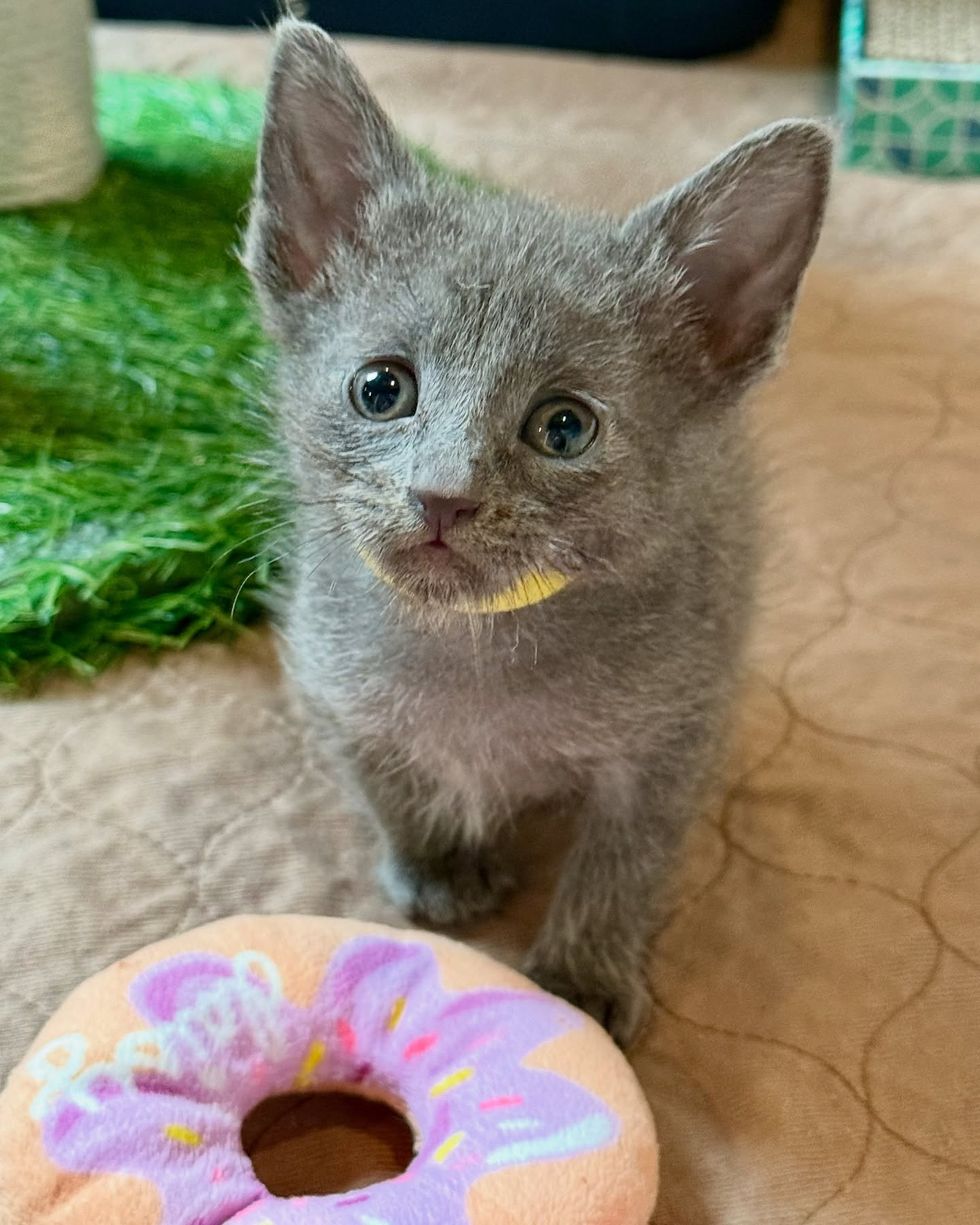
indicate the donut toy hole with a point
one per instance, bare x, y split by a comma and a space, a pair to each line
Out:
325, 1143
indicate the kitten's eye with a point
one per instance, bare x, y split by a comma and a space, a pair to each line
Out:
561, 428
384, 391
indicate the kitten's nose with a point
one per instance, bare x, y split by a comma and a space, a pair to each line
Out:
442, 513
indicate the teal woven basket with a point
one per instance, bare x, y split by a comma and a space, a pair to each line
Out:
914, 116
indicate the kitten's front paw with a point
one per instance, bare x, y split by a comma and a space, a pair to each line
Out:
449, 889
617, 997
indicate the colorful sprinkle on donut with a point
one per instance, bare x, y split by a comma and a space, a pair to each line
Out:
448, 1147
311, 1061
452, 1081
182, 1135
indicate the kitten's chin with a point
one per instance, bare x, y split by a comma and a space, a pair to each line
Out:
440, 580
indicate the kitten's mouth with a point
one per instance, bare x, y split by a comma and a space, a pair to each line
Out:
436, 574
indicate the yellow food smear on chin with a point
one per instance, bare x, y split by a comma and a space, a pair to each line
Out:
530, 588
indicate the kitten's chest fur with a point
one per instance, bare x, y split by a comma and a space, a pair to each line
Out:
499, 716
471, 708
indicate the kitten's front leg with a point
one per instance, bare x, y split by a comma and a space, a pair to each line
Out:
444, 881
594, 945
435, 869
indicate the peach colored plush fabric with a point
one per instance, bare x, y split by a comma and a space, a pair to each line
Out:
611, 1183
814, 1056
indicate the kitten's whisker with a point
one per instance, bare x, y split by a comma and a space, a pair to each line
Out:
287, 555
225, 554
327, 556
242, 585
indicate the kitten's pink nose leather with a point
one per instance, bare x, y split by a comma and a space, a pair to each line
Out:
442, 513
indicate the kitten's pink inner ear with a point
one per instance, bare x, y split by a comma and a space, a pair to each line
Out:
317, 193
326, 146
742, 232
745, 280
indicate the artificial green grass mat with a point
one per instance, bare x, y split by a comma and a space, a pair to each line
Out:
131, 369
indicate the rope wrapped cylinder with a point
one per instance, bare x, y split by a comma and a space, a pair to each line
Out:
49, 147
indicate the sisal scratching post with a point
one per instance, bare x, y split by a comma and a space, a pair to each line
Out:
910, 86
937, 31
49, 148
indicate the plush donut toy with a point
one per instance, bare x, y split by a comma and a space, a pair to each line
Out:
305, 1071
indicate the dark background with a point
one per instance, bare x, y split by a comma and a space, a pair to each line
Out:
670, 29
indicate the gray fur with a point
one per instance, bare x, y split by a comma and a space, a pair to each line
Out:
612, 696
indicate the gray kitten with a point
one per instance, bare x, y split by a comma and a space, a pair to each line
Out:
478, 387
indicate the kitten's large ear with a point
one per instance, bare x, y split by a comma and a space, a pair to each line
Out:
740, 234
326, 146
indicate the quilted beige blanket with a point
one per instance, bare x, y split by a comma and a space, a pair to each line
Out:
816, 1049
